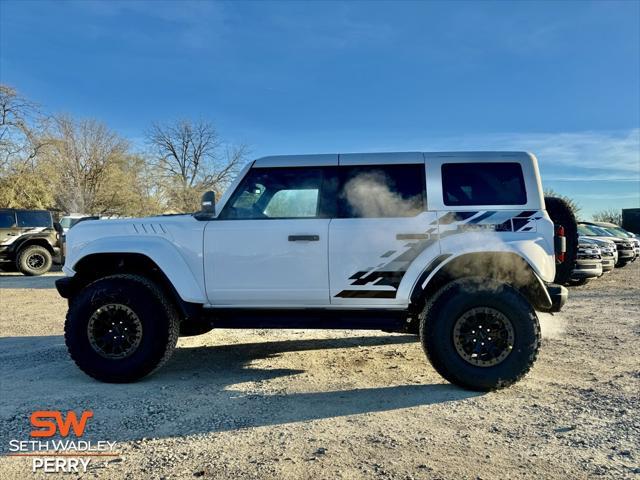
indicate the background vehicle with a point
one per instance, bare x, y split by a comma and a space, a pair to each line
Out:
29, 240
330, 241
588, 262
622, 233
72, 219
625, 246
608, 251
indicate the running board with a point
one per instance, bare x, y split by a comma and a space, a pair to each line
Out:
348, 319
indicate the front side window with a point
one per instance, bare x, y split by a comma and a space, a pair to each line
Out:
276, 193
483, 184
380, 191
33, 219
7, 219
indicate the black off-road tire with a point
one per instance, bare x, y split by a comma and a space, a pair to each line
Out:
157, 315
561, 214
579, 282
438, 320
622, 264
34, 260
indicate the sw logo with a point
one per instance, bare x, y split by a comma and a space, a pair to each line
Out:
66, 455
50, 421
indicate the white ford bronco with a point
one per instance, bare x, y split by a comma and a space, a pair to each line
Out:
455, 247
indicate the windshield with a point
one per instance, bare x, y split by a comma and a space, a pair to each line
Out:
65, 222
591, 230
621, 232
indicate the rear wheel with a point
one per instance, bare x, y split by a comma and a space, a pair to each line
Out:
562, 215
34, 260
121, 328
480, 335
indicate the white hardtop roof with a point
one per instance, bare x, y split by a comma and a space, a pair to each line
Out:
334, 159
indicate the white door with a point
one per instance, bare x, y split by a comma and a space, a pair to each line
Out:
381, 226
268, 246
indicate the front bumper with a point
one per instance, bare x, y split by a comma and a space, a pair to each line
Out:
558, 295
591, 272
608, 264
65, 287
626, 254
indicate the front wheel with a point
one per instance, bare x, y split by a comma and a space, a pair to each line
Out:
479, 334
34, 260
121, 328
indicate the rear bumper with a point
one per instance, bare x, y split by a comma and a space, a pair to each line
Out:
559, 296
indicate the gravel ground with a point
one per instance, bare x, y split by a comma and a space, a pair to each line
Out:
337, 404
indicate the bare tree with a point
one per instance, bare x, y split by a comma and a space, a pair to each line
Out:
610, 215
85, 155
22, 141
192, 158
22, 126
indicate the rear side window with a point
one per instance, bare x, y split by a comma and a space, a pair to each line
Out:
34, 219
7, 219
483, 184
379, 191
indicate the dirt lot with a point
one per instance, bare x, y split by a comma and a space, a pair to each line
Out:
338, 404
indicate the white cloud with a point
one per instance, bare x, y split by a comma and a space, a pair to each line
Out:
576, 156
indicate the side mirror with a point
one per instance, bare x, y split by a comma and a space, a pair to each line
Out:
208, 203
58, 228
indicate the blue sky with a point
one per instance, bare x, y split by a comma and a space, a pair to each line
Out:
559, 79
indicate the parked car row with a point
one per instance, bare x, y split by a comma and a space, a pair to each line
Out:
602, 247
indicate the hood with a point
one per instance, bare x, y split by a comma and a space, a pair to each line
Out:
600, 241
616, 240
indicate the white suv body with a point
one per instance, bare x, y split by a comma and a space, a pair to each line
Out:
377, 235
252, 262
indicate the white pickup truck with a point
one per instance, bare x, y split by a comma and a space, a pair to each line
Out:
455, 247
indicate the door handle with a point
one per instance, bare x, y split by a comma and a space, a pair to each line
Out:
304, 238
412, 236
